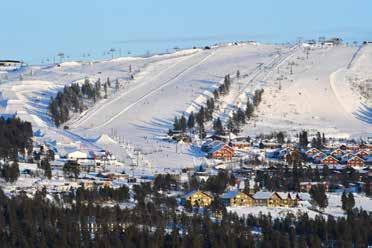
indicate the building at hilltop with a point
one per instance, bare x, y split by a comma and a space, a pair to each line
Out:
10, 65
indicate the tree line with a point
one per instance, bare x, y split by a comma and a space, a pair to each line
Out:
73, 99
37, 222
241, 116
15, 138
205, 113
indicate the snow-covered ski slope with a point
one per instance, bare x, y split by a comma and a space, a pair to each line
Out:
27, 92
316, 95
144, 113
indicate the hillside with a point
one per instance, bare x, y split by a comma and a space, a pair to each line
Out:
315, 96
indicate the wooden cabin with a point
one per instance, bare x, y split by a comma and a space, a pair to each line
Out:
312, 151
356, 162
224, 152
306, 186
288, 199
362, 153
319, 156
329, 160
337, 153
268, 199
236, 198
218, 150
199, 198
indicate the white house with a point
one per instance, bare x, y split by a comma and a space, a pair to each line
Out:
76, 155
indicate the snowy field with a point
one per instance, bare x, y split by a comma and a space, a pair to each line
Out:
318, 94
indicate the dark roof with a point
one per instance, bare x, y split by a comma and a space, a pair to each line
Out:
10, 61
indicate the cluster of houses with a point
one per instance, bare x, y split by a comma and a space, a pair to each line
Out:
357, 157
322, 43
59, 154
240, 199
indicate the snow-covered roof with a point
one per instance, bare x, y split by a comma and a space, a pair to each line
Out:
263, 195
229, 194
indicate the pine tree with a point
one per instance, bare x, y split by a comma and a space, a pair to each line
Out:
351, 201
117, 85
10, 172
105, 89
200, 117
249, 110
176, 124
240, 116
230, 125
202, 133
280, 137
71, 169
303, 140
108, 82
319, 196
344, 202
217, 126
182, 123
45, 165
191, 121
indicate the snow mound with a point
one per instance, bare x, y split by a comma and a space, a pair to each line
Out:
69, 64
104, 139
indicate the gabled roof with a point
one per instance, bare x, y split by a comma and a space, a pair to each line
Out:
319, 154
263, 195
312, 150
337, 150
287, 195
232, 194
229, 194
331, 157
196, 191
347, 155
362, 151
356, 158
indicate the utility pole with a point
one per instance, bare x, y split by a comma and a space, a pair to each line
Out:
291, 64
307, 50
61, 57
112, 51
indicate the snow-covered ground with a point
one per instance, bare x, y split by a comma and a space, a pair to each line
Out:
144, 114
315, 96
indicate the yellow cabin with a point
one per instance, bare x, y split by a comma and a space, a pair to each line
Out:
268, 199
236, 198
199, 198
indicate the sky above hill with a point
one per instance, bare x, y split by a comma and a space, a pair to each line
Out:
39, 29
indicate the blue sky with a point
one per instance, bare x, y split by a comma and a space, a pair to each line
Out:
35, 30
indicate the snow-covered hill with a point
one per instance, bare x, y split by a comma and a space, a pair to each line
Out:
315, 96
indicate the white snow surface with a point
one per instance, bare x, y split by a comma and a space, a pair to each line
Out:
315, 96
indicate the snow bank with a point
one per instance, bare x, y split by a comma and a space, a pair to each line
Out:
69, 64
104, 139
